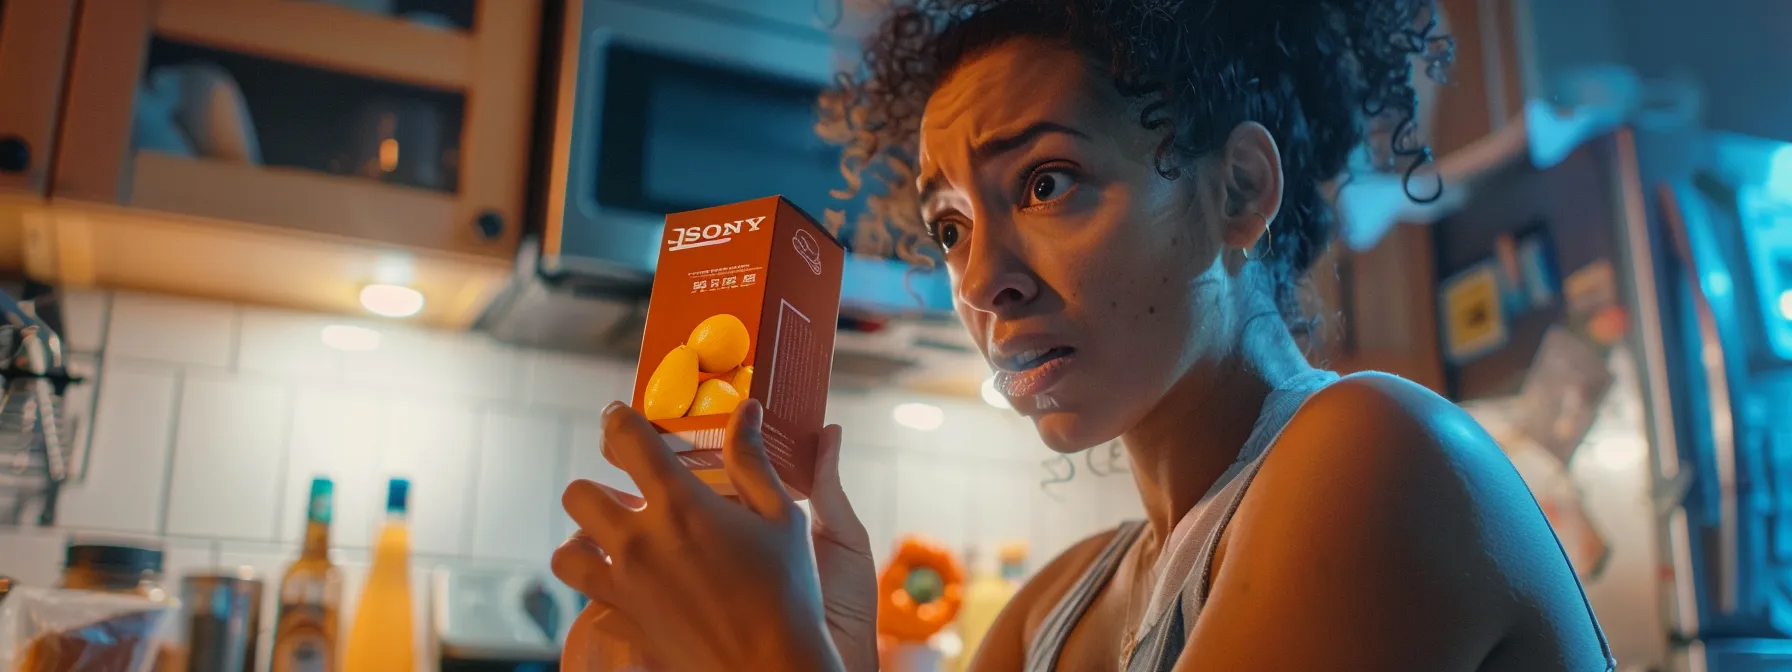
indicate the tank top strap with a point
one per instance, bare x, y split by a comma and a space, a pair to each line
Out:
1048, 643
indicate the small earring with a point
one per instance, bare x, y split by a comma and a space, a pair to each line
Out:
1269, 240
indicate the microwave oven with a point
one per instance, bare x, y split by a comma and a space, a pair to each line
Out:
663, 106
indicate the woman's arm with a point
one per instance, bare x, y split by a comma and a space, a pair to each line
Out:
1385, 532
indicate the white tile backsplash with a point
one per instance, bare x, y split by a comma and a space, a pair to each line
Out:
127, 462
288, 344
211, 420
168, 329
518, 493
337, 433
433, 444
229, 457
84, 321
31, 556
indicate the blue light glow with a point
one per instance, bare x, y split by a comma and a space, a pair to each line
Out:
1779, 173
1786, 304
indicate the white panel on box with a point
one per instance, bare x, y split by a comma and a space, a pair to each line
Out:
569, 381
519, 487
169, 329
933, 496
132, 422
84, 321
869, 476
32, 555
436, 363
431, 442
337, 432
287, 344
229, 459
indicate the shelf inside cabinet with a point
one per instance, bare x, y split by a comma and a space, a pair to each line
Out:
327, 37
82, 245
304, 200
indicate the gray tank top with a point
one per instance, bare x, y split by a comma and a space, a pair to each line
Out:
1183, 568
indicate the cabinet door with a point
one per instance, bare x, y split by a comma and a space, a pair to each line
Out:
34, 41
403, 122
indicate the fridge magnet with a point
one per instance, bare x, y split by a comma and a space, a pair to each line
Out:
1473, 322
1591, 295
1561, 393
1536, 271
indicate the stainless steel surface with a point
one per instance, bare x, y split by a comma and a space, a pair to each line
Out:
223, 620
1683, 612
1713, 360
34, 445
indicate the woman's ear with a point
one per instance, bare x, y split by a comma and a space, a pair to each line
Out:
1251, 172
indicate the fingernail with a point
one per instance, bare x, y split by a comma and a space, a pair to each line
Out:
613, 407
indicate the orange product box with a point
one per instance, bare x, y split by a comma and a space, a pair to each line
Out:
745, 303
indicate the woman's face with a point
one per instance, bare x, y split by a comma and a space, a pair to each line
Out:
1088, 280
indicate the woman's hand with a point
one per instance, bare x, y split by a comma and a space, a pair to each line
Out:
716, 584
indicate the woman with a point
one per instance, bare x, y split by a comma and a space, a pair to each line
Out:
1126, 194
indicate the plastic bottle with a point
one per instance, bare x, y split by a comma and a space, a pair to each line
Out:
382, 638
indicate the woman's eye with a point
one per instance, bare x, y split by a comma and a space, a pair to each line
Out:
1049, 185
947, 233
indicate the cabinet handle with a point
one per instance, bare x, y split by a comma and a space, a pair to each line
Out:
15, 154
489, 224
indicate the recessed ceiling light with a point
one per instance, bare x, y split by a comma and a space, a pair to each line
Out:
391, 300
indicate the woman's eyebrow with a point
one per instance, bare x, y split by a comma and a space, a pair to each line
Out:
931, 182
1002, 144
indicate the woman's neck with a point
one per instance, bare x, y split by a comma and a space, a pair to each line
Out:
1195, 433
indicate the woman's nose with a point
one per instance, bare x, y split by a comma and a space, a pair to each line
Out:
995, 279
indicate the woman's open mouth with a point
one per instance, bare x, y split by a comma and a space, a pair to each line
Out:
1032, 372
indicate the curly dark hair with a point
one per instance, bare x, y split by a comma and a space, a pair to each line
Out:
1314, 72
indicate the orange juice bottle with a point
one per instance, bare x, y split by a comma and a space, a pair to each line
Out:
382, 637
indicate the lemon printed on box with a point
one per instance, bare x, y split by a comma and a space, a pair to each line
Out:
672, 386
720, 342
742, 380
715, 397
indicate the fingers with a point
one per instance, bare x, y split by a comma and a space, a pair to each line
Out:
599, 514
634, 446
834, 517
582, 566
743, 456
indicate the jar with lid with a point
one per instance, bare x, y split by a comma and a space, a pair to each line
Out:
114, 568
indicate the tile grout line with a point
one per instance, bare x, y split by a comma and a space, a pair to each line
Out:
283, 472
470, 519
173, 439
563, 429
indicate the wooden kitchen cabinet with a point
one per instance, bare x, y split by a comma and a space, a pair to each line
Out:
1379, 306
368, 127
287, 152
34, 43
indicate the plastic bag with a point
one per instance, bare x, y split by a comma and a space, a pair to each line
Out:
55, 630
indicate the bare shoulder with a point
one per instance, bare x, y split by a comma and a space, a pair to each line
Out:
1004, 647
1389, 526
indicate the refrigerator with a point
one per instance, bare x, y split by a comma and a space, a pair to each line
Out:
1622, 322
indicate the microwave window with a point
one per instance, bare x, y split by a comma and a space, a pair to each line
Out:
681, 135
